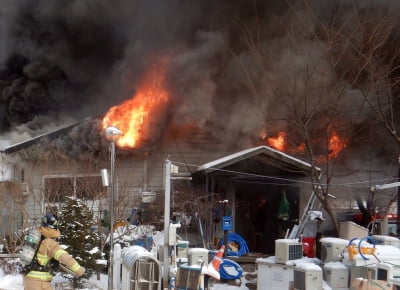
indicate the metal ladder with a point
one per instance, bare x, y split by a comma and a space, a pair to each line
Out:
297, 230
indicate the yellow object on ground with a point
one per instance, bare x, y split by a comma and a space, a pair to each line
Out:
353, 250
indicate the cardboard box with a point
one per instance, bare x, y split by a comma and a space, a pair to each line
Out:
371, 284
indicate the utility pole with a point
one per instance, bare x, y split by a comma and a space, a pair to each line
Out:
398, 203
225, 203
112, 134
171, 173
167, 201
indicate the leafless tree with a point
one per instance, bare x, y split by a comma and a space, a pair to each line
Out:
320, 73
365, 51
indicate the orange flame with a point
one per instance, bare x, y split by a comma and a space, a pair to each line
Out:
335, 144
278, 142
131, 115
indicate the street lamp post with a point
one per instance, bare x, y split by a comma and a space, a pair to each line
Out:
112, 134
167, 201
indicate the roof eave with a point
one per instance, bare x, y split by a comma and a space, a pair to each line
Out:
244, 154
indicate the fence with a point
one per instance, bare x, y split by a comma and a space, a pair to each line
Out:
9, 263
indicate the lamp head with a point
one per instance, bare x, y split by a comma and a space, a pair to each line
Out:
113, 133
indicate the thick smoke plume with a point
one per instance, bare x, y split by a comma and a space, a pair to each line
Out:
67, 60
63, 61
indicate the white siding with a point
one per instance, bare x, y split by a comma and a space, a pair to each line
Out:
6, 170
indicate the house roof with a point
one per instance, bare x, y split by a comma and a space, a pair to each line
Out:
270, 156
21, 145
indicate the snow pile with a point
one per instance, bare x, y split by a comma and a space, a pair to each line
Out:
334, 241
335, 265
304, 260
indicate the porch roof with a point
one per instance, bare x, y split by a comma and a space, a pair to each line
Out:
265, 155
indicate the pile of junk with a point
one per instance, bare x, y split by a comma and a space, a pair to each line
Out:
199, 268
152, 259
354, 260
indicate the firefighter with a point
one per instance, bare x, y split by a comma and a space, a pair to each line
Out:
39, 277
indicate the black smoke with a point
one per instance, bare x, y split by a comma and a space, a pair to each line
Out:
62, 61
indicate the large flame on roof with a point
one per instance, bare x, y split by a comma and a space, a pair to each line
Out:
131, 115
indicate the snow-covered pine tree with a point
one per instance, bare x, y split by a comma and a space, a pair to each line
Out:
76, 222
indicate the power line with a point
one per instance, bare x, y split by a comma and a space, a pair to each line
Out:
358, 184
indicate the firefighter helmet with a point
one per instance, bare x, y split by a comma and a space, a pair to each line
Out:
50, 220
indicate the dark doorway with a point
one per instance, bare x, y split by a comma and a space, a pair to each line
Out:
258, 218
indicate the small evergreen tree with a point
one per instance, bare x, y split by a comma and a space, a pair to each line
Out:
82, 242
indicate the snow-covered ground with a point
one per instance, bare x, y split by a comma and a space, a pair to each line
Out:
14, 282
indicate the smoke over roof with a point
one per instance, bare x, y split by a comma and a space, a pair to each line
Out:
72, 59
62, 61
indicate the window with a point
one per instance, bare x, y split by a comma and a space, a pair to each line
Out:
18, 174
83, 187
89, 187
56, 188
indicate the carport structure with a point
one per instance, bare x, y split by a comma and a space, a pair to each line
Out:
258, 182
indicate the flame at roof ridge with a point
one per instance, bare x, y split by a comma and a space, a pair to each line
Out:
335, 145
133, 115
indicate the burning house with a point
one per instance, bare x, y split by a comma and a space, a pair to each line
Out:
192, 82
243, 178
68, 161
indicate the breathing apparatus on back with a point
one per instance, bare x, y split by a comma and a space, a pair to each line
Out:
30, 247
32, 242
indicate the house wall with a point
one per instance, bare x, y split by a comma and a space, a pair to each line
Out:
5, 171
137, 172
134, 173
10, 171
10, 211
146, 171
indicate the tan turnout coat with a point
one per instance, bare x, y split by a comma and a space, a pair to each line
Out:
50, 249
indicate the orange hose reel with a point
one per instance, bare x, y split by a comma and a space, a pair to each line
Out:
353, 250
